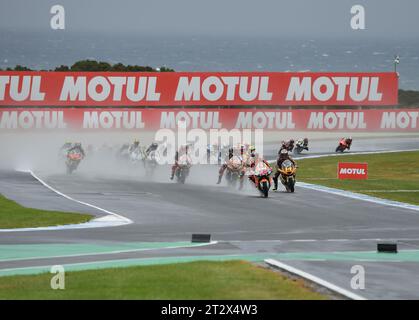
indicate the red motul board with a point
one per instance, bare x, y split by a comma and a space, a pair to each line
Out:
196, 88
21, 119
355, 171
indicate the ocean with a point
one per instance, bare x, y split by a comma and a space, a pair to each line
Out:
47, 50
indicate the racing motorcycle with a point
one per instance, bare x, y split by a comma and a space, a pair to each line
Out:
135, 155
73, 160
287, 175
150, 161
343, 145
262, 178
234, 169
123, 152
182, 170
301, 145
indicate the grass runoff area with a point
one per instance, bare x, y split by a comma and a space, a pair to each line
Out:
13, 215
393, 176
192, 280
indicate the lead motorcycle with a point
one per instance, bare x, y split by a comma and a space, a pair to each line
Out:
74, 158
262, 178
287, 175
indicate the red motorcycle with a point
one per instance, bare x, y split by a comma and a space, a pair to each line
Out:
73, 160
344, 144
261, 177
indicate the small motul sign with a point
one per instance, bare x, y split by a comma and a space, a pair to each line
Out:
348, 170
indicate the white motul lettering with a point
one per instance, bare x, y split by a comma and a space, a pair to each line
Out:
23, 94
299, 90
246, 93
74, 88
319, 84
152, 94
36, 94
212, 82
231, 83
264, 94
188, 90
136, 94
102, 83
353, 171
399, 120
118, 83
4, 80
354, 93
324, 89
8, 120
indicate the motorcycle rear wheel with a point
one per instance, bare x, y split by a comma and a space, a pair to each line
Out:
265, 189
291, 185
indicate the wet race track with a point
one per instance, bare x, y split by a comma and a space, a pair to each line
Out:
318, 232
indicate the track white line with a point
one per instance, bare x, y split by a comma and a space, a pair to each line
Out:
347, 154
112, 219
358, 196
353, 195
315, 279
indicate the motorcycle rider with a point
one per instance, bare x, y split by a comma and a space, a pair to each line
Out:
250, 156
183, 150
252, 176
347, 141
134, 146
303, 143
64, 149
283, 155
228, 161
78, 148
67, 145
151, 147
224, 166
287, 145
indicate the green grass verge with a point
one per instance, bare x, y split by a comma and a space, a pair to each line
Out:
13, 215
393, 176
195, 280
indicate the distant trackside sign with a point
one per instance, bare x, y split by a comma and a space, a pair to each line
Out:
350, 170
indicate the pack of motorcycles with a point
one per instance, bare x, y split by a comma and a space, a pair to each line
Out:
259, 172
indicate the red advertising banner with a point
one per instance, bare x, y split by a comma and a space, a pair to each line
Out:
354, 171
115, 89
21, 119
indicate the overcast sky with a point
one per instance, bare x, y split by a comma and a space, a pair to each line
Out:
315, 18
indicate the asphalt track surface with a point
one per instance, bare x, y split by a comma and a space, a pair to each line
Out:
320, 233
